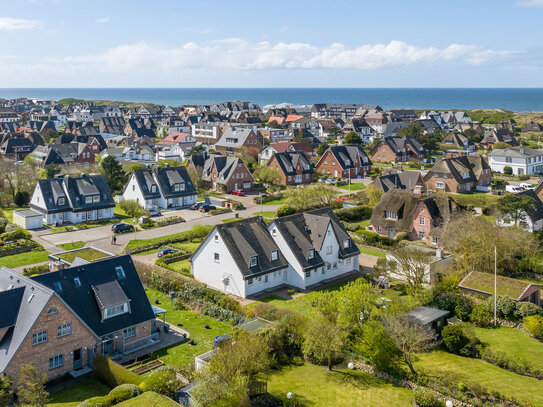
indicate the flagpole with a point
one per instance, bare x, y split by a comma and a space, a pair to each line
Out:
495, 283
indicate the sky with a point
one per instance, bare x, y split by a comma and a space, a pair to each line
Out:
201, 43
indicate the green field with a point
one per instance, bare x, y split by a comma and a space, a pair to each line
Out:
144, 242
514, 342
73, 245
468, 370
77, 393
280, 201
477, 199
24, 259
355, 186
230, 220
149, 398
192, 322
372, 252
266, 214
180, 265
315, 386
8, 213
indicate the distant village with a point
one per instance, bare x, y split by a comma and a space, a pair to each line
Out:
121, 225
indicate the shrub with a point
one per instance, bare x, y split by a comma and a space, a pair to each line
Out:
506, 308
507, 170
112, 373
353, 214
22, 198
100, 401
18, 233
285, 210
454, 338
351, 227
526, 309
534, 325
3, 223
220, 211
125, 392
164, 382
39, 269
374, 239
426, 398
481, 315
402, 236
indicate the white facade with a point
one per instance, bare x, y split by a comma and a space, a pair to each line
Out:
266, 154
526, 223
521, 166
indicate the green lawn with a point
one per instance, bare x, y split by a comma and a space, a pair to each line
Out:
491, 219
179, 265
120, 214
69, 228
144, 242
77, 393
363, 223
73, 245
514, 342
509, 287
8, 212
477, 199
315, 386
87, 253
192, 322
188, 246
266, 214
355, 186
372, 252
493, 378
24, 259
149, 398
280, 201
230, 220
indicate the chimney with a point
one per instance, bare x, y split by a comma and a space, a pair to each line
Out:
439, 253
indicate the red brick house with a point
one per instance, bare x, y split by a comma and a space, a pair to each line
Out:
397, 149
61, 320
344, 162
459, 174
226, 173
294, 168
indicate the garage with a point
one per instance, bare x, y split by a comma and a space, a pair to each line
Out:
28, 219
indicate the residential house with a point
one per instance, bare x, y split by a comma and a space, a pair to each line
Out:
502, 135
176, 138
285, 146
359, 126
378, 121
140, 127
169, 187
532, 126
225, 174
111, 126
521, 160
274, 135
72, 200
76, 154
172, 124
457, 140
336, 110
316, 246
346, 161
403, 115
8, 115
278, 120
397, 149
430, 125
433, 261
410, 180
478, 283
305, 124
178, 152
16, 147
234, 140
240, 258
420, 217
60, 321
532, 220
459, 174
294, 168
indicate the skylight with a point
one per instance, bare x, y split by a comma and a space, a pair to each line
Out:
58, 286
77, 282
120, 272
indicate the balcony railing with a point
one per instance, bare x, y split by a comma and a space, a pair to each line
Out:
140, 343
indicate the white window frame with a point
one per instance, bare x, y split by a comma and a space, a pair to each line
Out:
254, 261
119, 309
346, 243
422, 220
129, 332
274, 255
217, 258
329, 249
311, 254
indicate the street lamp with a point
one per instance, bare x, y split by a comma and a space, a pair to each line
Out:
260, 195
135, 222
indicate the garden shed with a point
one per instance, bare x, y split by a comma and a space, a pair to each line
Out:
28, 219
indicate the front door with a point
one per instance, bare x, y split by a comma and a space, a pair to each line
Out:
77, 359
107, 347
391, 232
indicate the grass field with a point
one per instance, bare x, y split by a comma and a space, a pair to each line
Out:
315, 386
77, 393
280, 201
491, 219
24, 259
179, 265
195, 324
477, 199
73, 245
230, 220
355, 186
510, 287
266, 214
144, 242
149, 398
515, 343
8, 212
467, 370
372, 252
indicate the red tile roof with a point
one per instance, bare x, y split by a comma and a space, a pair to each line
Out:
173, 138
279, 120
293, 117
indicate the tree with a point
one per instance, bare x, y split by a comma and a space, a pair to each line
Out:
323, 341
51, 171
22, 198
31, 386
454, 338
409, 336
516, 207
429, 140
300, 136
473, 136
410, 264
17, 176
197, 149
267, 175
352, 138
6, 394
24, 119
50, 136
322, 148
196, 176
311, 196
131, 208
133, 167
374, 195
507, 170
500, 145
335, 133
114, 174
375, 345
274, 125
168, 163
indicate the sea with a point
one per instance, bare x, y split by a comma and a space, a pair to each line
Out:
514, 99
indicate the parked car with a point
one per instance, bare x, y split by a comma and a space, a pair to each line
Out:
197, 206
331, 181
238, 192
122, 228
207, 208
164, 252
323, 179
154, 212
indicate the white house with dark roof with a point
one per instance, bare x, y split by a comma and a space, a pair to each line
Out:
522, 160
169, 187
73, 200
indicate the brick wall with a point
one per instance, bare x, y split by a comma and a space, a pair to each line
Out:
383, 152
421, 212
283, 179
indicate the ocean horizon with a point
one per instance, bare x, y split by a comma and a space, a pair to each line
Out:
515, 99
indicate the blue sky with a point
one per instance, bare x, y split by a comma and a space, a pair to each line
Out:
160, 43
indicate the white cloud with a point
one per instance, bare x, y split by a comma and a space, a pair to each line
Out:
13, 24
238, 54
102, 20
529, 3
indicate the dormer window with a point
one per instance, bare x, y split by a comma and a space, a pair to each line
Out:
274, 255
254, 261
77, 282
391, 215
96, 198
311, 254
88, 199
61, 201
346, 243
115, 310
120, 272
153, 188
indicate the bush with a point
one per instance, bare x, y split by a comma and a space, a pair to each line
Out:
402, 236
534, 325
285, 210
22, 198
100, 401
125, 392
481, 315
354, 214
526, 309
220, 211
454, 338
351, 227
374, 239
508, 170
506, 308
426, 398
3, 223
18, 233
39, 269
112, 373
267, 198
164, 382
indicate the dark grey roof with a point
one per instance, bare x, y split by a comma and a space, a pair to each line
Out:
11, 303
288, 161
537, 213
393, 128
349, 152
388, 182
427, 315
83, 302
109, 294
247, 238
17, 144
307, 230
144, 178
224, 165
169, 176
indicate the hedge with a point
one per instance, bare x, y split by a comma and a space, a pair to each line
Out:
189, 235
220, 211
125, 391
113, 374
173, 257
18, 233
100, 401
375, 239
355, 214
39, 269
267, 198
20, 246
164, 382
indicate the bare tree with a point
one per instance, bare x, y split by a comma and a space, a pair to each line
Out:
408, 263
18, 176
196, 175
